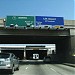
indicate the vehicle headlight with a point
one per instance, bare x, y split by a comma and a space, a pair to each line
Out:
7, 62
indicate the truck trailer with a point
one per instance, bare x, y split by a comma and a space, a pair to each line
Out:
37, 54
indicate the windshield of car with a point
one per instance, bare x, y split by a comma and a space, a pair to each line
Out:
4, 55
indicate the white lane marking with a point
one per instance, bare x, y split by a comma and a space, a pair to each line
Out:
53, 69
26, 67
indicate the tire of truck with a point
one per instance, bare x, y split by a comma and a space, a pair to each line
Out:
47, 60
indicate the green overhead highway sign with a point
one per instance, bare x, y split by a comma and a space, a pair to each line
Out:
20, 21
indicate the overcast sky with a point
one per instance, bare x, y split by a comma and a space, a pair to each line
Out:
62, 8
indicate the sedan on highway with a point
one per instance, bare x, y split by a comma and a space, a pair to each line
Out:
8, 61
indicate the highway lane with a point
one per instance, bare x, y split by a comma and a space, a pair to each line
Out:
45, 69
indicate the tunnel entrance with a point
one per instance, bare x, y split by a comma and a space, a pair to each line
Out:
59, 37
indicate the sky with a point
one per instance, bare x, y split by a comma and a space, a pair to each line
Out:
56, 8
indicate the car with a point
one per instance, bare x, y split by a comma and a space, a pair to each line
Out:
8, 61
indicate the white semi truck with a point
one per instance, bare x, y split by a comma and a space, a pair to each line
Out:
37, 54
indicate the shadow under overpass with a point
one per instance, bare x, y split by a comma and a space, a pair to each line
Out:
59, 37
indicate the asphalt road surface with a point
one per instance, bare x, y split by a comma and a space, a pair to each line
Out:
44, 69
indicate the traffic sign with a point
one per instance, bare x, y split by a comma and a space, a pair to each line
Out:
20, 21
46, 20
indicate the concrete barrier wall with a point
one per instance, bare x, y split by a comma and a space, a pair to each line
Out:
69, 22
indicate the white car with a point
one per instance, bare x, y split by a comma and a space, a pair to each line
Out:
8, 61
